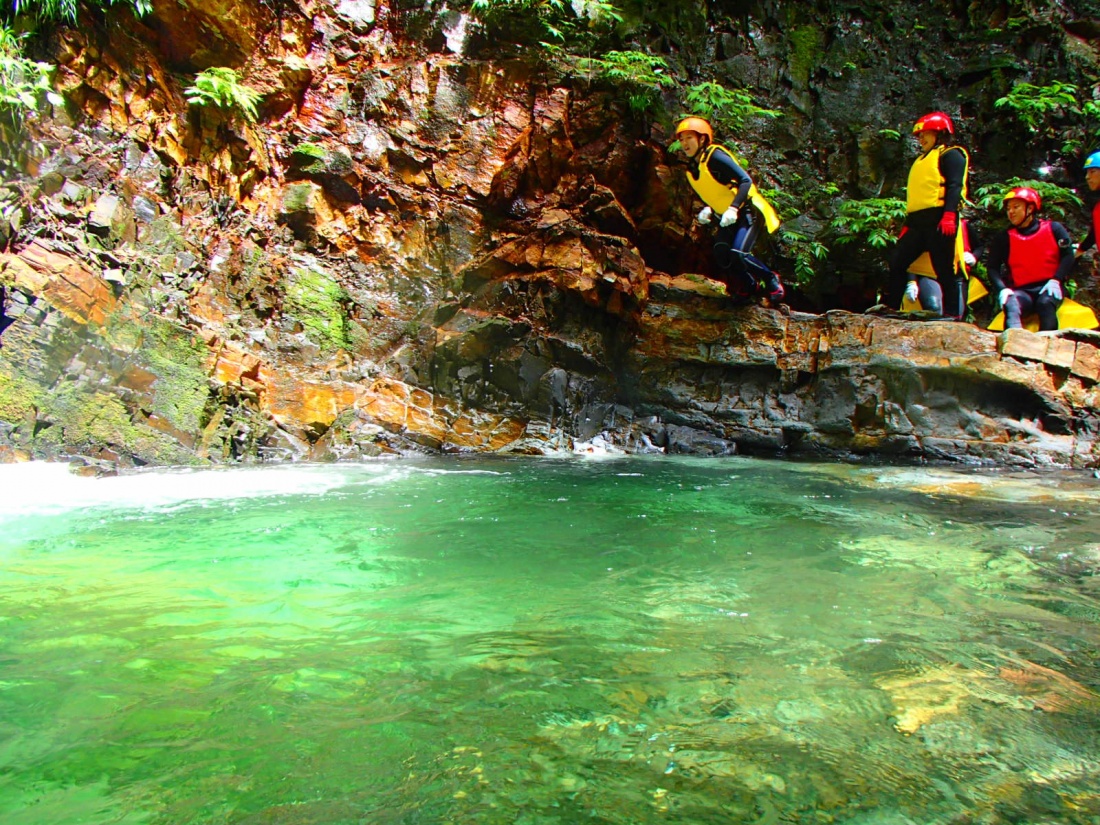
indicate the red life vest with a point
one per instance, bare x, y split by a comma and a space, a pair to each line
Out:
1096, 222
1033, 258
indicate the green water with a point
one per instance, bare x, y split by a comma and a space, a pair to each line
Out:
518, 641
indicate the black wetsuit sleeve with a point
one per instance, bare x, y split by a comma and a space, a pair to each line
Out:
1089, 241
729, 173
998, 257
953, 169
1066, 259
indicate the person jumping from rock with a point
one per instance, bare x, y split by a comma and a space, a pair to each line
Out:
729, 193
937, 186
1029, 262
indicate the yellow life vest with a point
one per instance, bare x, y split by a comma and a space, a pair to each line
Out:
719, 197
1071, 315
925, 189
923, 264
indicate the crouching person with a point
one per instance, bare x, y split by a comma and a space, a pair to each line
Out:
733, 200
1029, 262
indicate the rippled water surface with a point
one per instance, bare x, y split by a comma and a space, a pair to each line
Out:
520, 641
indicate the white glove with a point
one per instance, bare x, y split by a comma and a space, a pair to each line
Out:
729, 217
912, 291
1003, 296
969, 259
705, 214
1052, 288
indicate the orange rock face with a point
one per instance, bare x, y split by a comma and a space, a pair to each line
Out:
67, 283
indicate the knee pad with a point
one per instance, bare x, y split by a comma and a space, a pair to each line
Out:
723, 255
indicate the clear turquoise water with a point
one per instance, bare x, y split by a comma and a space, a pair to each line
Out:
519, 641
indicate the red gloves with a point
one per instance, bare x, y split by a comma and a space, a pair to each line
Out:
949, 224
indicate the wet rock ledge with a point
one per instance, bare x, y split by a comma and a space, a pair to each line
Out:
528, 366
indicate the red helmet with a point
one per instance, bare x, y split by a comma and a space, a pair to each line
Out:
934, 122
1025, 194
695, 124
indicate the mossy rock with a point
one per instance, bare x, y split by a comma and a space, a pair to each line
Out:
299, 198
318, 301
311, 159
88, 421
19, 398
181, 390
807, 44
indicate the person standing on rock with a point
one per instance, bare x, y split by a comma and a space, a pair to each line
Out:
936, 188
1029, 262
1092, 179
729, 193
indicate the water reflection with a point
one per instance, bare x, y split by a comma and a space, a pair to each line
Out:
516, 641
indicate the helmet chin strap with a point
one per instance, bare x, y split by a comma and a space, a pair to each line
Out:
704, 142
1029, 216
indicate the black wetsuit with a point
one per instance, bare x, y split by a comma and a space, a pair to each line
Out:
922, 234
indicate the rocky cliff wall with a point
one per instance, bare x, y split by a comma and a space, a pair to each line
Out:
419, 247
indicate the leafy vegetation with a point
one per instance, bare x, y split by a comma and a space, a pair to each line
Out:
806, 252
523, 21
65, 10
730, 110
1053, 112
222, 87
1033, 105
874, 221
574, 36
23, 82
639, 76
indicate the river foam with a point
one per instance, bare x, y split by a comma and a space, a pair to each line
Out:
49, 488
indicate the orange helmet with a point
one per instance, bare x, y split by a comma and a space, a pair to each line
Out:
1027, 195
934, 122
695, 124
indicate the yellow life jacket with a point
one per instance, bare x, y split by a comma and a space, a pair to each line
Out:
719, 197
925, 189
1071, 315
923, 264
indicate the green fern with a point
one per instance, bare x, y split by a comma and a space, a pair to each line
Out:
806, 253
1035, 105
874, 221
23, 82
556, 19
66, 9
222, 87
728, 109
639, 76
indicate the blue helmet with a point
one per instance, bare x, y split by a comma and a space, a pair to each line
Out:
1093, 161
